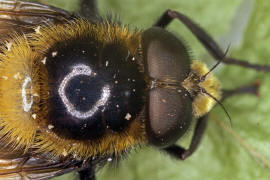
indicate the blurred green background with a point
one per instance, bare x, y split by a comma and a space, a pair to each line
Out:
245, 24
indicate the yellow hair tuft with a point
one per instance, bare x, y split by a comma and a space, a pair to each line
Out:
202, 102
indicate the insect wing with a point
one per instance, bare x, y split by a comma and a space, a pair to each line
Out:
21, 16
33, 168
16, 164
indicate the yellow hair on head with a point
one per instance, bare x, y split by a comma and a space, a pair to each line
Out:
203, 103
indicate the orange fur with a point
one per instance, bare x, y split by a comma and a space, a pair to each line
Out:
30, 129
18, 63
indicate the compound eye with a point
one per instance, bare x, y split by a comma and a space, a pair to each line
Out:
169, 116
165, 56
169, 109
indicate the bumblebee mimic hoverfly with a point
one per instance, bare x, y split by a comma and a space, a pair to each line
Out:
77, 91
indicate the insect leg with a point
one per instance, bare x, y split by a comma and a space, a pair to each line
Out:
89, 8
207, 41
246, 89
182, 153
87, 174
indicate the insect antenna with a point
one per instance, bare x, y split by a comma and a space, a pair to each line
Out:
219, 61
221, 105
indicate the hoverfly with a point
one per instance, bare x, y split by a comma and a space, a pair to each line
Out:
80, 90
